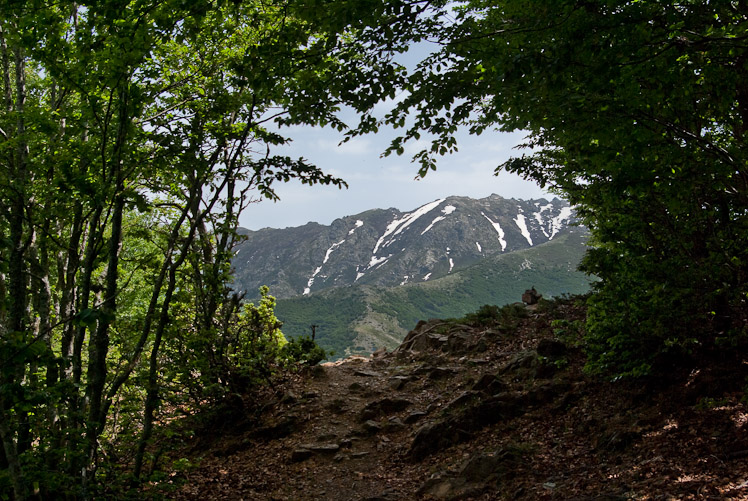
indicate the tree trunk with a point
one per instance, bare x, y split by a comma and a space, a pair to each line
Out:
17, 275
98, 347
152, 397
11, 456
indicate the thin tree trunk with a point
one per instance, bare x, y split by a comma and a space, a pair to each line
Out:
152, 388
98, 347
68, 264
17, 276
11, 456
152, 397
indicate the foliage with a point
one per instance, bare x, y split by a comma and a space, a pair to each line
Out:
569, 331
305, 351
333, 313
132, 135
256, 340
243, 350
505, 317
484, 316
636, 113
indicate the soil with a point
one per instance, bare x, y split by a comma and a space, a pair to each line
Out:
470, 412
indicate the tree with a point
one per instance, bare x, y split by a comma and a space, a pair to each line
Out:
132, 135
636, 111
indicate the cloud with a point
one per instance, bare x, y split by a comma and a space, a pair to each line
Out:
356, 146
386, 182
385, 106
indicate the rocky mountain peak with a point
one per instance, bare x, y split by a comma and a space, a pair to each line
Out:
388, 247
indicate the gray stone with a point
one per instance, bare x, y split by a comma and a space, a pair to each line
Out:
346, 443
398, 382
383, 407
299, 455
482, 467
327, 448
461, 400
414, 417
371, 427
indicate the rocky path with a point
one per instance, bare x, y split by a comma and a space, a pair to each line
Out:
466, 412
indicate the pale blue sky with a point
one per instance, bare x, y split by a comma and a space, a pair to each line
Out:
376, 182
381, 183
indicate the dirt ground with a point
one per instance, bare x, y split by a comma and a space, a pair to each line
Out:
465, 412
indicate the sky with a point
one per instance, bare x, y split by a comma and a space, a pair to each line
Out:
381, 183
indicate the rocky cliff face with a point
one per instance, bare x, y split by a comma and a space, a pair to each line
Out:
389, 247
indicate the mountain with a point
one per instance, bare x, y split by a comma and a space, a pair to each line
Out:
365, 280
390, 248
358, 319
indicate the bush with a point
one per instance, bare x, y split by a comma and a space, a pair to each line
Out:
504, 317
304, 351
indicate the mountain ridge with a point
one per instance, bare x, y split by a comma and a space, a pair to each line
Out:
387, 247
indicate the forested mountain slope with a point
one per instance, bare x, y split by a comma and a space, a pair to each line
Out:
362, 318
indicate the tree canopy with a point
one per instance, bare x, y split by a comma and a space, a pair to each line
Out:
636, 112
134, 132
132, 135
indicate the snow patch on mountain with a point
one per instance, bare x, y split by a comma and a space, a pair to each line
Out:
378, 261
498, 229
398, 225
332, 248
310, 282
541, 223
558, 221
449, 209
522, 225
359, 224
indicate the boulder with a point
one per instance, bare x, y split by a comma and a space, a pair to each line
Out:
371, 427
459, 425
398, 382
551, 348
383, 407
414, 417
531, 296
489, 384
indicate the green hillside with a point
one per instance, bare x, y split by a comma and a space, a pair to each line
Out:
359, 319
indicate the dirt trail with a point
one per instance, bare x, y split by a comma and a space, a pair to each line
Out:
461, 412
